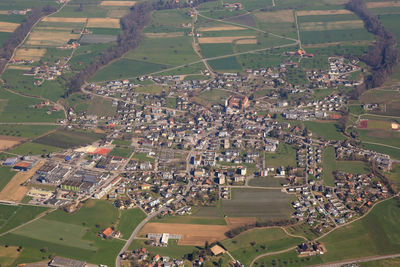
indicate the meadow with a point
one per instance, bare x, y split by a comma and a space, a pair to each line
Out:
6, 174
34, 149
246, 246
375, 234
129, 220
325, 130
25, 131
13, 216
261, 203
285, 156
68, 138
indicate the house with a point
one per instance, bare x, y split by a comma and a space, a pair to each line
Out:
107, 232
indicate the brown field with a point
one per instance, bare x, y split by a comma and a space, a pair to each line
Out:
18, 67
246, 41
4, 12
49, 28
192, 234
222, 40
336, 2
382, 4
117, 13
8, 255
323, 12
49, 38
240, 221
103, 23
30, 53
72, 20
276, 16
13, 191
7, 142
355, 43
333, 25
163, 34
8, 26
118, 3
220, 28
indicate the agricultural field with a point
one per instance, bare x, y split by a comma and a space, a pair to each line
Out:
77, 238
122, 152
375, 234
285, 156
246, 246
261, 203
13, 216
6, 174
268, 181
67, 138
173, 250
25, 131
16, 108
30, 148
325, 130
129, 220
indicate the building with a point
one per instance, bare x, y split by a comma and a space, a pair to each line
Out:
237, 102
65, 262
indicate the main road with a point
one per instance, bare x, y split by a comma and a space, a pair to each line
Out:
134, 234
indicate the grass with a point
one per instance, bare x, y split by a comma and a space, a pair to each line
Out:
142, 157
171, 102
18, 216
261, 203
6, 174
285, 155
173, 250
267, 181
246, 246
174, 51
354, 167
101, 107
394, 176
68, 138
34, 149
56, 232
392, 152
191, 220
25, 131
317, 37
215, 50
325, 130
381, 263
78, 229
19, 109
225, 64
126, 68
328, 166
375, 234
211, 97
122, 152
380, 136
129, 220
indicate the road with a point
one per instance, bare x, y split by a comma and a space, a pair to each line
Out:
367, 259
134, 234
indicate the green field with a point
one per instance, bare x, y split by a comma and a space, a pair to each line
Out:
129, 220
25, 131
16, 108
268, 181
261, 203
34, 149
328, 166
246, 246
225, 64
174, 51
13, 216
191, 219
316, 37
285, 156
126, 68
173, 250
142, 157
392, 152
213, 96
66, 138
70, 235
375, 234
325, 130
6, 174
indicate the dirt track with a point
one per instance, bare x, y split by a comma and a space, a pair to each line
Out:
13, 191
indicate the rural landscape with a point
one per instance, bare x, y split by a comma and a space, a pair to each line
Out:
211, 133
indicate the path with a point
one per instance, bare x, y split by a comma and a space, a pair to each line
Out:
28, 222
367, 259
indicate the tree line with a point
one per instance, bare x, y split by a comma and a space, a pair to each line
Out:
132, 25
383, 56
18, 36
236, 231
